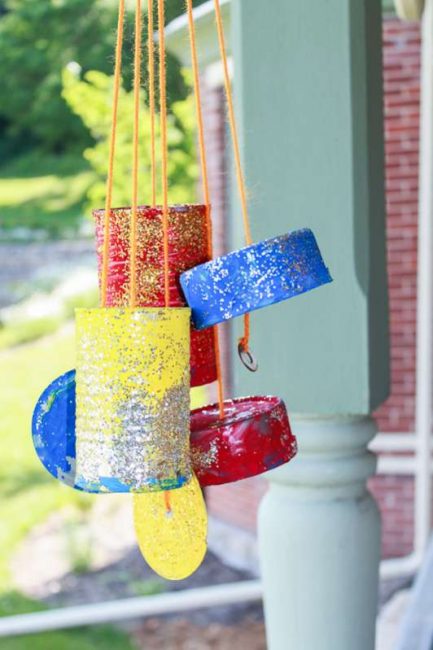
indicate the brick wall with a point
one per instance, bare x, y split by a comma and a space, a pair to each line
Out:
401, 84
213, 102
237, 504
394, 496
214, 123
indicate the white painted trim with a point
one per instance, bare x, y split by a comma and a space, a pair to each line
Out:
177, 34
135, 608
180, 24
398, 465
393, 442
400, 567
130, 608
386, 445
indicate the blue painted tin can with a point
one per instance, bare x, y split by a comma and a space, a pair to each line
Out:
53, 431
254, 277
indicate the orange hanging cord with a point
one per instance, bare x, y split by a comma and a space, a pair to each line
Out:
135, 162
164, 165
151, 73
205, 180
244, 341
112, 149
164, 145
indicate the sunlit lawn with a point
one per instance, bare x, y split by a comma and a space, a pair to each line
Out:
43, 193
27, 493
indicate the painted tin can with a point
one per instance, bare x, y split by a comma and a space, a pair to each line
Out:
253, 437
132, 399
254, 277
187, 247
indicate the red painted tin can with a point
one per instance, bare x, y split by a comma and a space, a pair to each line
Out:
187, 247
253, 437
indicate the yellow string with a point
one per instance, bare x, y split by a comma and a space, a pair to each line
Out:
133, 227
112, 148
205, 179
164, 146
236, 150
151, 72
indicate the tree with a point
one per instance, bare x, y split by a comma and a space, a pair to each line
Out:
38, 38
90, 99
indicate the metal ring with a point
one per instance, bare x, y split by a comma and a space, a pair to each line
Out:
247, 358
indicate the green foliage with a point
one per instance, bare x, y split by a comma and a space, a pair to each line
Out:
51, 203
90, 98
34, 164
44, 192
37, 40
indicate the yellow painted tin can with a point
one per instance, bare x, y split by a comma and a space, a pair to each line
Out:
132, 399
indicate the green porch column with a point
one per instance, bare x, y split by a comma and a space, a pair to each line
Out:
308, 84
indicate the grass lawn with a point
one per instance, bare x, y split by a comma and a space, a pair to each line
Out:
44, 193
27, 493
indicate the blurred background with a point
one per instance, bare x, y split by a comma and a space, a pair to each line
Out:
59, 547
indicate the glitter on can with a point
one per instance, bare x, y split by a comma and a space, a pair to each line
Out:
132, 399
254, 277
171, 533
253, 437
187, 247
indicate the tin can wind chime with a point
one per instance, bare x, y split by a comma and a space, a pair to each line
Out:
121, 422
